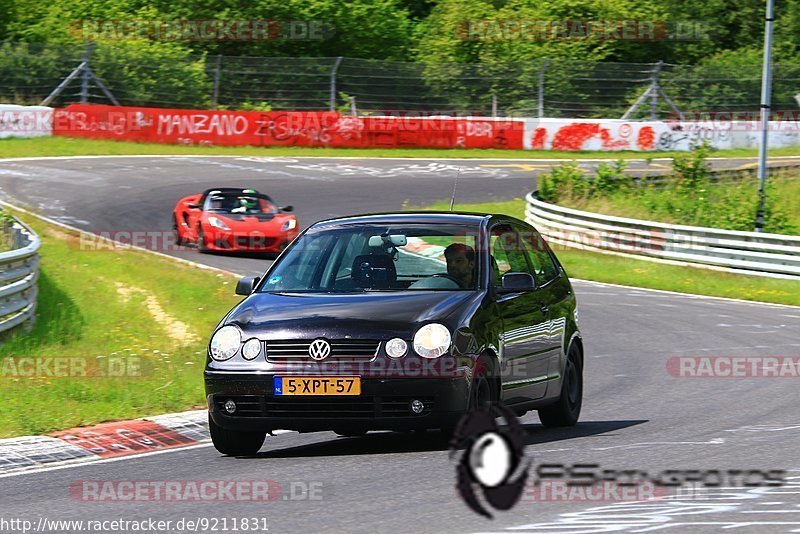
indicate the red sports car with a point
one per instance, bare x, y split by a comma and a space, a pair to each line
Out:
239, 220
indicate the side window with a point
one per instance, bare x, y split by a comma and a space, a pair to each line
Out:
506, 252
544, 269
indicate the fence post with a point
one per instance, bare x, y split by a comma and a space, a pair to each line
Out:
333, 83
655, 89
494, 105
353, 109
86, 74
217, 76
540, 94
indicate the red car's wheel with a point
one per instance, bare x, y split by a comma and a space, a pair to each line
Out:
201, 240
178, 237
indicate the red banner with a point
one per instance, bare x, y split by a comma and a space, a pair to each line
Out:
283, 128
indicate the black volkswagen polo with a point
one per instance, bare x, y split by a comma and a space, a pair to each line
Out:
396, 322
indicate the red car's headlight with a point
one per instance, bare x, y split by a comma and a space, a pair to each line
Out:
291, 224
216, 222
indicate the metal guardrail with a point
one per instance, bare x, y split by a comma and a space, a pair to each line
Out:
772, 255
19, 271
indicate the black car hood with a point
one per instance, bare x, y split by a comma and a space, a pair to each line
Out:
357, 315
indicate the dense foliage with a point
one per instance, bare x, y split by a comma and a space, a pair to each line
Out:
430, 30
711, 50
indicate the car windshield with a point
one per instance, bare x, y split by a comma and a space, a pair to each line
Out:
239, 203
434, 257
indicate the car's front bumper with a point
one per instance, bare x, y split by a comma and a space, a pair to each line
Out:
384, 404
227, 241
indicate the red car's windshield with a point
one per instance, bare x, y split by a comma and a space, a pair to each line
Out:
239, 203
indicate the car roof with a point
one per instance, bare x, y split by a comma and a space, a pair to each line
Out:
411, 217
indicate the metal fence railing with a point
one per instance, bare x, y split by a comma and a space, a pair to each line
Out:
762, 254
19, 272
176, 78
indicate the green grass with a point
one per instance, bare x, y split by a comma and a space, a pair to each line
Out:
83, 314
64, 146
640, 273
734, 204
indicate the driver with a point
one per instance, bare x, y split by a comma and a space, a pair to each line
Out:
246, 204
461, 263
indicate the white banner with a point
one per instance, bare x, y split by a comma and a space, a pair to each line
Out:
25, 121
616, 134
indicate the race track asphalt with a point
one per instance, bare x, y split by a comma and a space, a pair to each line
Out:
636, 415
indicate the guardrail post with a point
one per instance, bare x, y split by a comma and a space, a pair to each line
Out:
333, 83
86, 75
217, 76
540, 95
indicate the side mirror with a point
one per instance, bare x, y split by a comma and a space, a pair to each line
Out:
516, 282
287, 209
194, 206
246, 285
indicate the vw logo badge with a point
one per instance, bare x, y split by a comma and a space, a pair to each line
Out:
319, 349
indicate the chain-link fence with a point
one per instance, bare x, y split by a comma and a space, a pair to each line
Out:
545, 87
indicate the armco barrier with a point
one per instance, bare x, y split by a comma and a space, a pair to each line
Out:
283, 128
761, 254
323, 128
19, 271
25, 121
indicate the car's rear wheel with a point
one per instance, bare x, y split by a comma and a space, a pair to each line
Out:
178, 238
235, 442
567, 409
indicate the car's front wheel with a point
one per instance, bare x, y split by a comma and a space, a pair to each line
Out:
201, 240
567, 409
235, 442
481, 394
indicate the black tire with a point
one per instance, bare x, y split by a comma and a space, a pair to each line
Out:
201, 240
235, 442
481, 394
178, 239
567, 410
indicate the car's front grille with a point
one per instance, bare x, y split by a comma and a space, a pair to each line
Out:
341, 350
292, 407
255, 241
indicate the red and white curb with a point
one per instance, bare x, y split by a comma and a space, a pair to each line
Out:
106, 440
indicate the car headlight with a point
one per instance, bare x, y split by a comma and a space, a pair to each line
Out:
396, 347
225, 342
291, 224
432, 340
251, 349
216, 222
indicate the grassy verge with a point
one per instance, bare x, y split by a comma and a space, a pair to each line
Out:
631, 272
63, 146
636, 204
139, 317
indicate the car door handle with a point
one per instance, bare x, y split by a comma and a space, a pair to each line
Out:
543, 308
